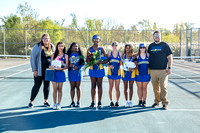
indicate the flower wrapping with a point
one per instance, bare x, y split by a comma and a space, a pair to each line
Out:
92, 59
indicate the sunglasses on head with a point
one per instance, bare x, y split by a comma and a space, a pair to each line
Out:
142, 47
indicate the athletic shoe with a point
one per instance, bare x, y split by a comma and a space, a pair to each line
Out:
165, 107
144, 104
117, 104
140, 103
58, 107
30, 105
47, 104
154, 105
112, 104
78, 104
99, 105
55, 106
72, 104
130, 104
92, 105
127, 104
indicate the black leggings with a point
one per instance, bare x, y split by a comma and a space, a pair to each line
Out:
37, 83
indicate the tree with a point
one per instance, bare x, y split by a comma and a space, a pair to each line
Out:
28, 15
12, 21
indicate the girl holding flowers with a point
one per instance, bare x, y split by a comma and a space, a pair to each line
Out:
75, 76
96, 71
59, 74
114, 73
128, 75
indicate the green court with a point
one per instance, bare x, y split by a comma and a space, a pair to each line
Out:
182, 116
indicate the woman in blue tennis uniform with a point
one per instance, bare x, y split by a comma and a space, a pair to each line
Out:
142, 75
59, 74
75, 76
96, 72
114, 73
128, 76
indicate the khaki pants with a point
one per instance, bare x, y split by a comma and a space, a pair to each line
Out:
159, 79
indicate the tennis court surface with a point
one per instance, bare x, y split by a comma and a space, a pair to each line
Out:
182, 116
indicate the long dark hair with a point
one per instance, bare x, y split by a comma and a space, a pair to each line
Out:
57, 51
69, 51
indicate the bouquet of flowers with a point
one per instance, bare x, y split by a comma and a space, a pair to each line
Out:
92, 59
127, 64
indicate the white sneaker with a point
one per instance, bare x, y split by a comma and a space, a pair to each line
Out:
55, 106
127, 104
130, 104
58, 107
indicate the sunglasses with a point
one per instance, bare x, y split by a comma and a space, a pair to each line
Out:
156, 35
142, 47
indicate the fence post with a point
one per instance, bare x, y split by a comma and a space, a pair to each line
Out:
186, 42
143, 35
199, 42
4, 43
66, 40
180, 40
107, 37
25, 42
125, 37
191, 42
87, 38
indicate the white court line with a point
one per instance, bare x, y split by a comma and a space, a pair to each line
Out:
186, 78
14, 66
185, 69
186, 110
15, 74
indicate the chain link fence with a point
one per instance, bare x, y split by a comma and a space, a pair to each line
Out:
19, 42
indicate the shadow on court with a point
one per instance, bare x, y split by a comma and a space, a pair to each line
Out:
41, 119
184, 88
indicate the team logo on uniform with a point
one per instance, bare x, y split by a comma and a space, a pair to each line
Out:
156, 49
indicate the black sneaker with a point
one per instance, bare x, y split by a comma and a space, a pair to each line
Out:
112, 104
140, 103
92, 105
99, 105
72, 104
144, 104
165, 107
117, 104
47, 104
30, 105
154, 105
78, 104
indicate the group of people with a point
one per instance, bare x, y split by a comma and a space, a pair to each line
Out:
152, 64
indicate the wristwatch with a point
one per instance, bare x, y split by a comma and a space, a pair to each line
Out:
169, 67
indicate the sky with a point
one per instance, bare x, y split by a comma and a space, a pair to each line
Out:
125, 12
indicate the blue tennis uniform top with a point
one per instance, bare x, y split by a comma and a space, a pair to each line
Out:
75, 75
96, 70
59, 75
128, 75
114, 73
143, 72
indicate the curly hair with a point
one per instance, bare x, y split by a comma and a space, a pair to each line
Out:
69, 51
131, 49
